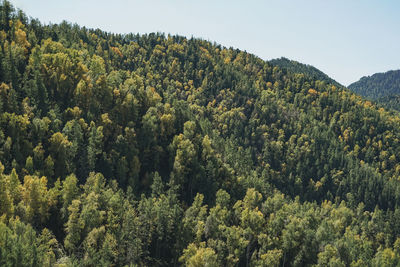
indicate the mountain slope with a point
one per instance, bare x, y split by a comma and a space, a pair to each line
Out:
297, 67
379, 85
157, 150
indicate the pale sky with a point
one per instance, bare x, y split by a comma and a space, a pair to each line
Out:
346, 39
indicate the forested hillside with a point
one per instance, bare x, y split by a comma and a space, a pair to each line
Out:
384, 88
297, 67
157, 150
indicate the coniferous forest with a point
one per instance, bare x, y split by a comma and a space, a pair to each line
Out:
158, 150
383, 88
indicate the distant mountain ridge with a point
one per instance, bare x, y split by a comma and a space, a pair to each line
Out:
378, 85
383, 88
297, 67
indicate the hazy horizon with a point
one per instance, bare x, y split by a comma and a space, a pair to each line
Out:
346, 40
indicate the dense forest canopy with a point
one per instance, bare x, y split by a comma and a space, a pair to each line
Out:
378, 85
158, 150
297, 67
384, 88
